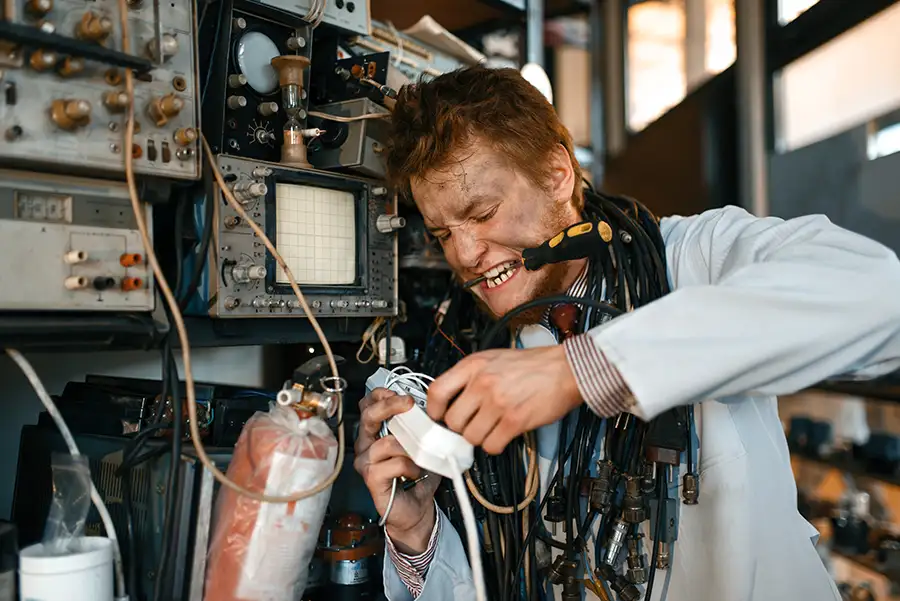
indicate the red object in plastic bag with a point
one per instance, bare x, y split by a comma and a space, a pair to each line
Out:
261, 551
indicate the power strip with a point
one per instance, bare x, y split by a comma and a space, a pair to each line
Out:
427, 443
435, 449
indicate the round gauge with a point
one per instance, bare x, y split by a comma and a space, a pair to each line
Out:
255, 52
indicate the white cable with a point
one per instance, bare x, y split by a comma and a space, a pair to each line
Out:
403, 375
390, 505
465, 506
53, 410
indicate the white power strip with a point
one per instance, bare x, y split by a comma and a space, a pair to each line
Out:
428, 444
435, 449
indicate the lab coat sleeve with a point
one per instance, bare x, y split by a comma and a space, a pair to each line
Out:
449, 576
760, 306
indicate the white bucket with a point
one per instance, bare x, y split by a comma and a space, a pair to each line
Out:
86, 574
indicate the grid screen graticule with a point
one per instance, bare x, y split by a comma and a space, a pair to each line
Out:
315, 232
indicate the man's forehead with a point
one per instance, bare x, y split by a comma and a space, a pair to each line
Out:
452, 194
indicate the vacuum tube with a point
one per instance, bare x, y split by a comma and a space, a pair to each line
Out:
290, 77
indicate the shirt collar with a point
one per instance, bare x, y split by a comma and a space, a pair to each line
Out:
578, 289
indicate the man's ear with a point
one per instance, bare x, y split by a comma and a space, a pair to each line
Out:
562, 175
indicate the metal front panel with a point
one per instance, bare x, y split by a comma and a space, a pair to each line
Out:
43, 219
350, 16
32, 137
362, 150
374, 291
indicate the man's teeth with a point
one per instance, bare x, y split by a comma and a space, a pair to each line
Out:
498, 275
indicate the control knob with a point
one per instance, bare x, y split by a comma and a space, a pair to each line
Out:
70, 66
247, 191
339, 304
185, 136
389, 223
70, 114
115, 102
43, 60
236, 102
379, 304
261, 303
164, 108
169, 45
244, 274
94, 28
237, 80
267, 109
38, 8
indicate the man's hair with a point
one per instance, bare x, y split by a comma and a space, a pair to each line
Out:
434, 120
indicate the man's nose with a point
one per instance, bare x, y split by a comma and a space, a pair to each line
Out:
469, 248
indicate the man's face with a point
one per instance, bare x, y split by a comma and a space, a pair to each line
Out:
484, 213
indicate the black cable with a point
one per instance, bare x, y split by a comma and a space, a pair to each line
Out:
690, 439
533, 528
178, 233
133, 586
662, 496
201, 256
212, 52
169, 537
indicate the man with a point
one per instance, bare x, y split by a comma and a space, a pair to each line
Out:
759, 307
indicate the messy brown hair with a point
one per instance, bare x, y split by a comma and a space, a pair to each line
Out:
433, 120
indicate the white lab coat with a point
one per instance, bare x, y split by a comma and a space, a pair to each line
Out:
759, 308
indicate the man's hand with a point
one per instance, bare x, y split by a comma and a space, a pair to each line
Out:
380, 460
504, 393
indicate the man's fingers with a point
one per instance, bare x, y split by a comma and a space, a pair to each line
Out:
481, 425
461, 411
495, 442
381, 410
385, 448
383, 473
376, 396
449, 384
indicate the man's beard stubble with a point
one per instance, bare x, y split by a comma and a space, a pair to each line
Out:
552, 282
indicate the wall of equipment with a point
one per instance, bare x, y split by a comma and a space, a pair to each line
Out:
172, 172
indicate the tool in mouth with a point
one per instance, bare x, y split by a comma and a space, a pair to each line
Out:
481, 278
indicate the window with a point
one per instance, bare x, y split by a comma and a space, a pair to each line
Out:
788, 10
655, 73
849, 81
674, 46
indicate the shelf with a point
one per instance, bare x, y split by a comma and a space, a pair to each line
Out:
77, 331
92, 331
468, 16
207, 332
848, 466
885, 388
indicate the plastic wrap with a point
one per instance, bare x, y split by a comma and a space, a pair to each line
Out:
70, 504
262, 551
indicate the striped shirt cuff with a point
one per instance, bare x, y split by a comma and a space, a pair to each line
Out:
412, 569
599, 382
